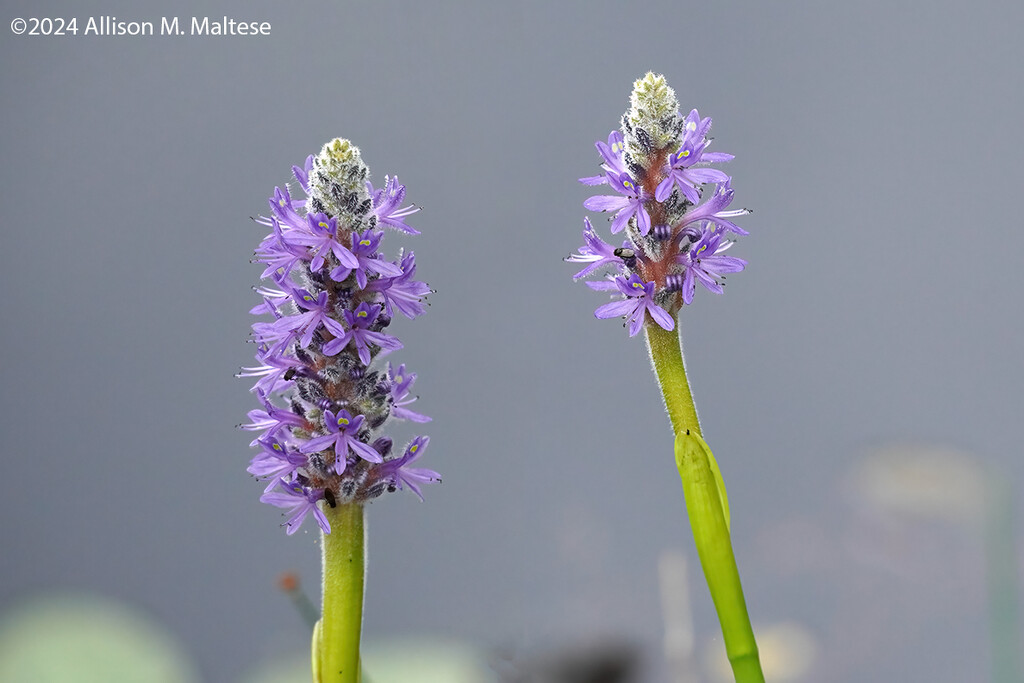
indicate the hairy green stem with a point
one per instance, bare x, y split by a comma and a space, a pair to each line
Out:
336, 638
667, 359
706, 505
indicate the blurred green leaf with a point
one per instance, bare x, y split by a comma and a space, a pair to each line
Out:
401, 660
87, 639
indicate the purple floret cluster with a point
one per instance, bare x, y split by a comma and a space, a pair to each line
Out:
329, 299
671, 205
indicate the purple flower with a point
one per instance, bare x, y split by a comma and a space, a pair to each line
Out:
386, 201
271, 339
271, 419
359, 322
321, 238
302, 174
401, 385
271, 374
272, 299
612, 155
713, 210
299, 502
402, 292
285, 208
364, 247
275, 461
627, 206
341, 435
402, 476
704, 263
594, 251
639, 298
681, 169
317, 313
278, 254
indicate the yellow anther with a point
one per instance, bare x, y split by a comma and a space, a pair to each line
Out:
414, 448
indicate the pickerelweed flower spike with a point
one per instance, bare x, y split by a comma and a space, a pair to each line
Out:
659, 165
330, 297
673, 208
331, 294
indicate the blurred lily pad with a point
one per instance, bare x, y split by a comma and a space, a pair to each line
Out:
923, 481
788, 651
87, 639
400, 660
423, 660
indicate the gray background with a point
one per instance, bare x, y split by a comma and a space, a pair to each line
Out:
879, 144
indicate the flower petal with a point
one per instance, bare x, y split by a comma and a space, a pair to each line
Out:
605, 203
661, 316
615, 309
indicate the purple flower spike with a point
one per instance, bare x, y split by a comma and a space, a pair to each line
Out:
639, 299
627, 206
299, 502
321, 429
659, 263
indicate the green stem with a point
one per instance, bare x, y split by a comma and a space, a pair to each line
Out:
667, 359
711, 536
336, 639
705, 506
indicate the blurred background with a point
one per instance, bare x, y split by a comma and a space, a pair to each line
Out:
859, 383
